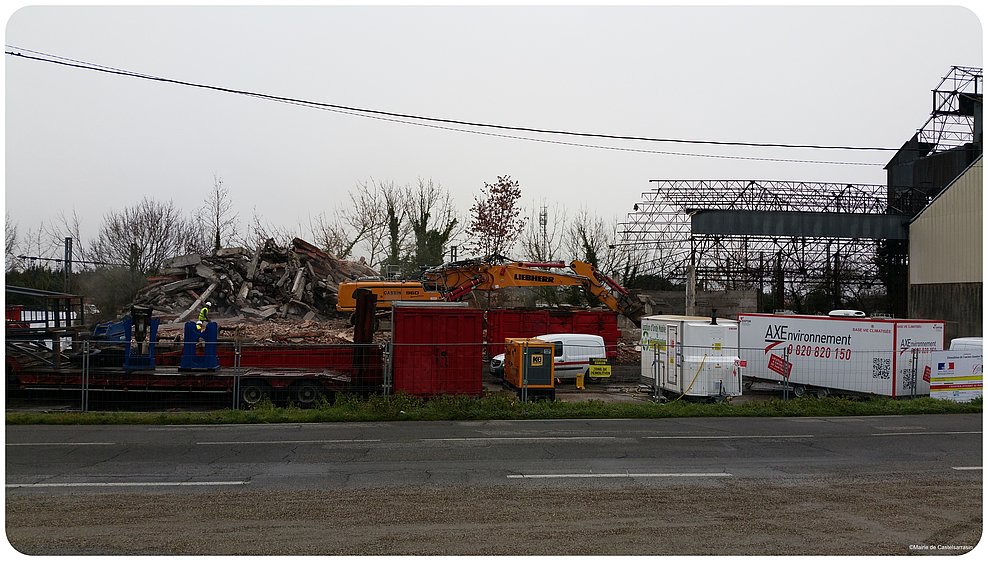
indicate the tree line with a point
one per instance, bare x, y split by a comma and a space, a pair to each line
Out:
398, 229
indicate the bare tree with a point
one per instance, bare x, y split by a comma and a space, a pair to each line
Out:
362, 223
542, 238
397, 228
143, 235
218, 208
495, 221
331, 235
37, 244
592, 239
10, 243
387, 207
433, 221
258, 231
68, 227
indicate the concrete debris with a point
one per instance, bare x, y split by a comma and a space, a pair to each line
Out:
296, 283
248, 330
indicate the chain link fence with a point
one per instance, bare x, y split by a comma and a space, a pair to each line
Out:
91, 375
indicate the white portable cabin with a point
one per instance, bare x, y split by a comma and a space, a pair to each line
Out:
691, 356
848, 354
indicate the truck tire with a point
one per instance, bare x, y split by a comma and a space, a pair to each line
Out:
798, 390
821, 393
253, 392
305, 393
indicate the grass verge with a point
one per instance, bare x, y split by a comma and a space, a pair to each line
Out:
462, 408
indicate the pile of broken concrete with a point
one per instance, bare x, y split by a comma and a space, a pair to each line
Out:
296, 283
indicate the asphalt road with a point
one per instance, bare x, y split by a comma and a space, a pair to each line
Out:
775, 469
358, 455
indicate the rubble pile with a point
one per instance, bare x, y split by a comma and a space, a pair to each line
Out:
298, 283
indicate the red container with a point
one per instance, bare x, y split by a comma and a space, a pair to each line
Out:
437, 350
14, 312
503, 324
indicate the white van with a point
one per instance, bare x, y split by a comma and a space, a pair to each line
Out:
571, 356
967, 344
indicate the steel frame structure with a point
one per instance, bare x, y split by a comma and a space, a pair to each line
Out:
658, 235
952, 123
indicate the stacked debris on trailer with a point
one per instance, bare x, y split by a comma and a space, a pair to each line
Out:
298, 282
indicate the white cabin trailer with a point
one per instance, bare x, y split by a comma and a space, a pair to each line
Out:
691, 356
834, 354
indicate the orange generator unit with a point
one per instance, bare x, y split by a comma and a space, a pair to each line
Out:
528, 367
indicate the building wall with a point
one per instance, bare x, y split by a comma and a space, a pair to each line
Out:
945, 243
959, 304
728, 303
945, 257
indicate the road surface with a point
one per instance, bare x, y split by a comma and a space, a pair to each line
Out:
725, 486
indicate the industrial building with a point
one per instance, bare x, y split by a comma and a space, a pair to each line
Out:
909, 248
945, 256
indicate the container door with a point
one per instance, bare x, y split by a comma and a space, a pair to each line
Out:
671, 361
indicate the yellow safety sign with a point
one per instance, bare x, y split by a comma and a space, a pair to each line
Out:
599, 368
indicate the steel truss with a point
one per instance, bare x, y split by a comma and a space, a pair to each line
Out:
657, 238
657, 235
952, 122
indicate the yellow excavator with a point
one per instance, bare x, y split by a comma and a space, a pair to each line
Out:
452, 282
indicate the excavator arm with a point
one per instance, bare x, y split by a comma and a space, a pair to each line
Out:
460, 279
609, 292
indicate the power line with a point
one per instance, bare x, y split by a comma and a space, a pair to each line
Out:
83, 261
396, 117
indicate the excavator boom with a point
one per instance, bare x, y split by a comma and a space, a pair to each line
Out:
454, 281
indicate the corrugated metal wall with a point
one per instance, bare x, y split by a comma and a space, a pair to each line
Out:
945, 257
945, 244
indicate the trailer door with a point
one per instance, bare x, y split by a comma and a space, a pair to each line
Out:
671, 361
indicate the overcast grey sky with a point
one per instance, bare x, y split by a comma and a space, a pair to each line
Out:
87, 141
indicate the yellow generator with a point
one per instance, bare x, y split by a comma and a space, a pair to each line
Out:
528, 367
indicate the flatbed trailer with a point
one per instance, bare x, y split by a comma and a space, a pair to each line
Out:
252, 385
297, 374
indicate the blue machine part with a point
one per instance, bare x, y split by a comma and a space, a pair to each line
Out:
196, 355
112, 330
140, 336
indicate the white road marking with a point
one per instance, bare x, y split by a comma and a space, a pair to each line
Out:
519, 438
229, 442
61, 443
923, 433
129, 484
967, 468
611, 475
730, 437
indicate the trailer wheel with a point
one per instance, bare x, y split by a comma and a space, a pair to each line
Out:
305, 394
799, 391
821, 393
253, 392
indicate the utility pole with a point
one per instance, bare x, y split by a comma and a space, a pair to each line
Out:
67, 266
691, 280
543, 223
